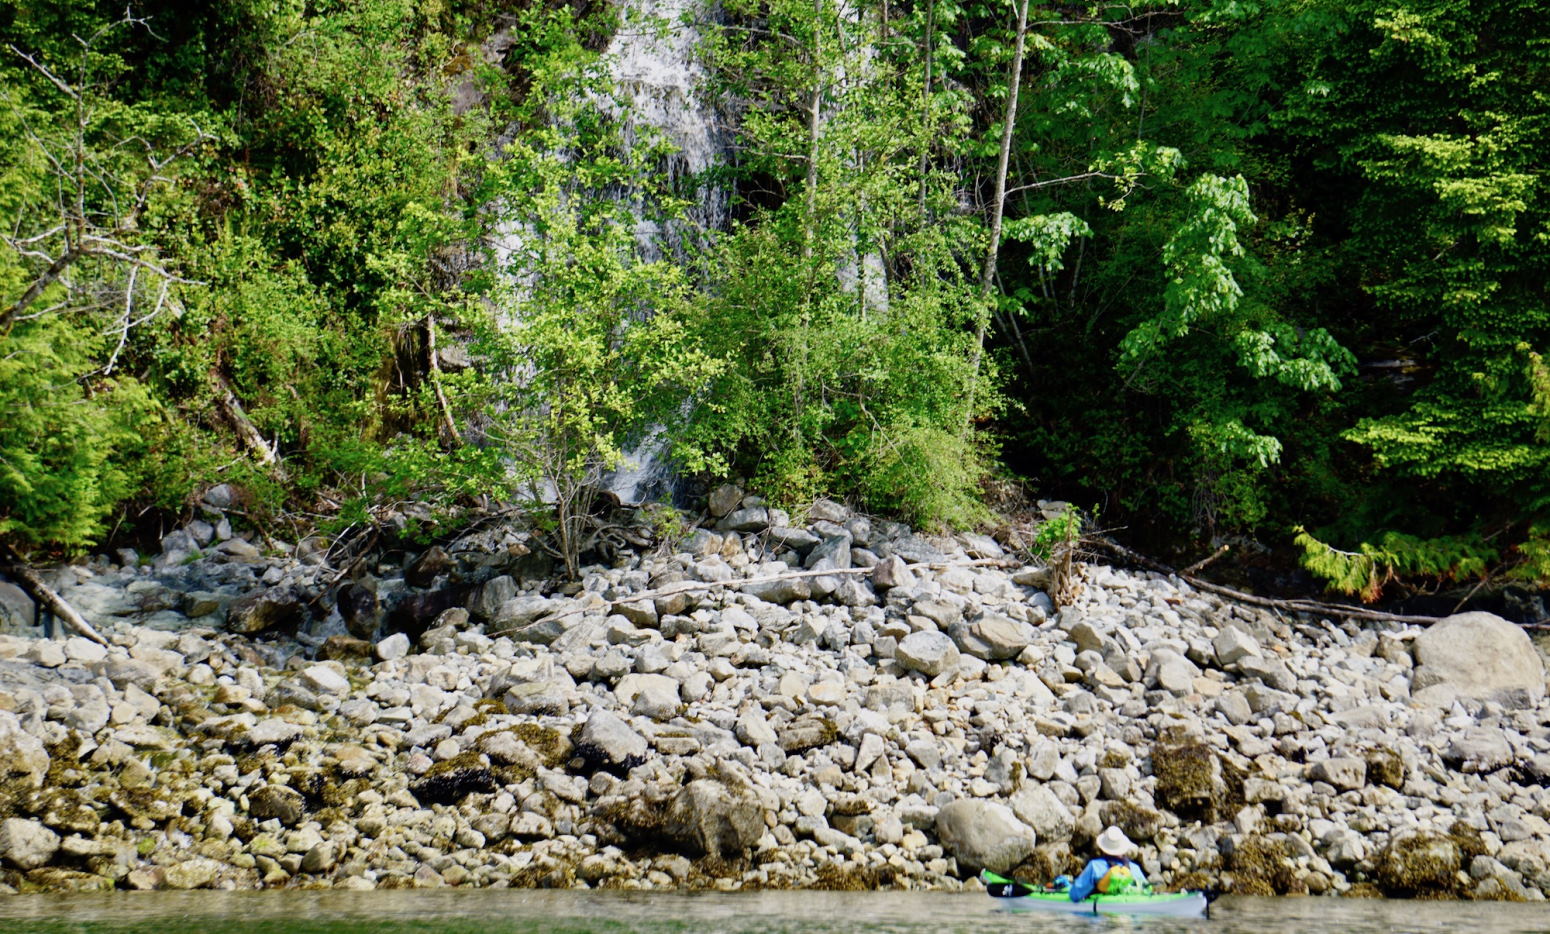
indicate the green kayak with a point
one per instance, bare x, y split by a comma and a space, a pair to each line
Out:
1022, 897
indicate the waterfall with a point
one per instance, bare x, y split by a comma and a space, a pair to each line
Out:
654, 64
657, 94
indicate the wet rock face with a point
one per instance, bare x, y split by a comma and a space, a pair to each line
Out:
1477, 656
260, 612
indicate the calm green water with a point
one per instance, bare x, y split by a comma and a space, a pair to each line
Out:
567, 912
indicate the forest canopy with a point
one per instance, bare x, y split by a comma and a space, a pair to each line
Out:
1270, 272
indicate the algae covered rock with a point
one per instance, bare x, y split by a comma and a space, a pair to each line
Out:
1193, 781
712, 818
277, 802
1418, 863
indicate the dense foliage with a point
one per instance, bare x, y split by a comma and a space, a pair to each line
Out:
1272, 271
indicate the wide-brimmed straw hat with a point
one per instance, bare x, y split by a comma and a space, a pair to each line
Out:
1113, 842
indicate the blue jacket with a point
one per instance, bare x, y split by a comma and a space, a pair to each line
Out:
1096, 867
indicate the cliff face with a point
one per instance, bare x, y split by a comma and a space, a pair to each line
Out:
833, 702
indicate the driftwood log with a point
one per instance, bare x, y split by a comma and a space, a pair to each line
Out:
35, 587
1313, 607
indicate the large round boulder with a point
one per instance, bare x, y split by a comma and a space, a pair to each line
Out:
712, 818
983, 835
1477, 656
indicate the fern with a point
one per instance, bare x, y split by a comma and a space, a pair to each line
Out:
1372, 567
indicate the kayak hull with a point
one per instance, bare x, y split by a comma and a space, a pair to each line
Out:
1172, 905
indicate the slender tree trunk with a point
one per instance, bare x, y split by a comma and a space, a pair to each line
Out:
226, 400
448, 426
925, 105
997, 209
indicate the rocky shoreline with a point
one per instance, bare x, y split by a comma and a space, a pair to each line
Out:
831, 703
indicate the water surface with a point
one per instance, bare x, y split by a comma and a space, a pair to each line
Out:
580, 912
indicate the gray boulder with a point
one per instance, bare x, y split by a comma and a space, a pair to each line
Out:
723, 499
1044, 813
491, 596
892, 572
1479, 750
654, 696
749, 519
269, 609
983, 835
992, 637
1345, 773
777, 591
1172, 672
1477, 656
21, 753
927, 652
1233, 645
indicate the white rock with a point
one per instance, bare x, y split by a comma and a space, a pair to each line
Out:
325, 680
393, 647
1479, 656
1232, 645
27, 844
927, 652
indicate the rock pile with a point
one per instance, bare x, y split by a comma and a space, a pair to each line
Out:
838, 702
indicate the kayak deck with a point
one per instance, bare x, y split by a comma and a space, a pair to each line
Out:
1174, 904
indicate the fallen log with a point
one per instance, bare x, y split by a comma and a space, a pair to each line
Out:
35, 587
1312, 607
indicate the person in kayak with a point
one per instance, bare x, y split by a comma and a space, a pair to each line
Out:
1113, 873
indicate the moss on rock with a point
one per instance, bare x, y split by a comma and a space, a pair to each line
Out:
1419, 864
1193, 781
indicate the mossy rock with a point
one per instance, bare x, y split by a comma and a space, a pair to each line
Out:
1469, 842
1047, 861
453, 785
832, 877
553, 746
54, 879
1263, 866
1385, 767
1137, 822
1420, 863
1194, 881
1194, 781
1363, 890
1113, 759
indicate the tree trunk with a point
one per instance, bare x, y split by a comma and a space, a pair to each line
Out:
448, 427
231, 409
997, 209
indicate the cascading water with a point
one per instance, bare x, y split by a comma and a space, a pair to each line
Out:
659, 82
658, 79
